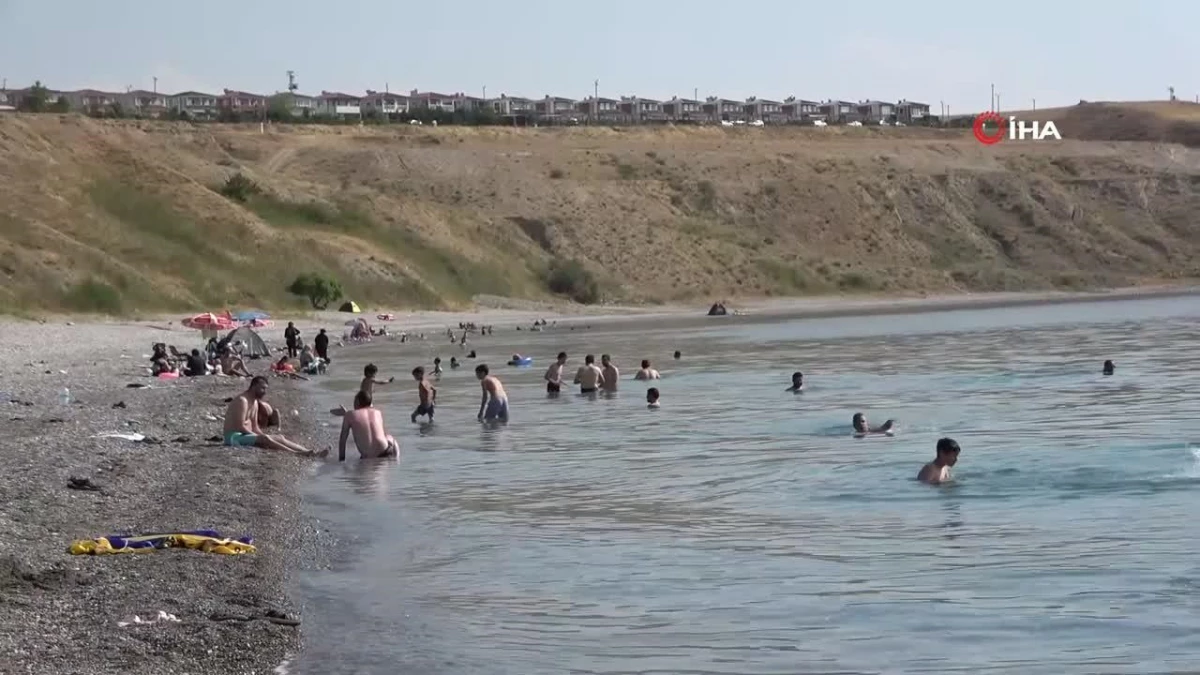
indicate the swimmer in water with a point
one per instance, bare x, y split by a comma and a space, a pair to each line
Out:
678, 354
938, 471
797, 383
1109, 368
652, 398
453, 362
437, 367
646, 373
862, 427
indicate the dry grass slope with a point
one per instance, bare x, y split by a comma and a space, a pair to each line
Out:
125, 216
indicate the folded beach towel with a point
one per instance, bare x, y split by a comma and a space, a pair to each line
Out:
209, 541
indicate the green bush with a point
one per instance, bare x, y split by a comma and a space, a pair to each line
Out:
319, 290
239, 188
93, 296
572, 279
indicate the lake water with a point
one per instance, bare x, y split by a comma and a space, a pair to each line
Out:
742, 529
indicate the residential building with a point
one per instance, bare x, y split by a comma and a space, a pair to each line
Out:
428, 100
600, 109
839, 112
5, 105
144, 103
556, 108
242, 103
302, 105
507, 106
384, 103
92, 100
719, 109
910, 112
467, 103
337, 104
683, 109
877, 111
635, 109
763, 109
194, 104
799, 111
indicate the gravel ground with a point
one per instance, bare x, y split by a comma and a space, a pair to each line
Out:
59, 613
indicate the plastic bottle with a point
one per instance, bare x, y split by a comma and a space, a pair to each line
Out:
65, 396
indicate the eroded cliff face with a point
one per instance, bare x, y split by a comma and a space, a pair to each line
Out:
94, 213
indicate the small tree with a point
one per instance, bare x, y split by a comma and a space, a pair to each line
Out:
35, 100
62, 105
319, 290
572, 279
239, 188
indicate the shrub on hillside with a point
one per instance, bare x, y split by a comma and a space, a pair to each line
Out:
239, 188
572, 279
319, 290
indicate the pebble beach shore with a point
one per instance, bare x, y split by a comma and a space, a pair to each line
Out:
61, 613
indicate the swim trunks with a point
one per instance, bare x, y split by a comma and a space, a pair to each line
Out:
392, 449
587, 390
424, 409
240, 439
497, 409
553, 388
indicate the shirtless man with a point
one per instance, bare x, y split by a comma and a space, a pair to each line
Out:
646, 373
554, 374
652, 398
862, 428
938, 471
611, 375
366, 423
426, 393
242, 428
231, 364
1109, 368
797, 383
589, 377
493, 407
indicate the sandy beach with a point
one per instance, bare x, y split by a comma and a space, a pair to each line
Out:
60, 613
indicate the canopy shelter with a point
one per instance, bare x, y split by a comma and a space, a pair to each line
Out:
350, 306
253, 345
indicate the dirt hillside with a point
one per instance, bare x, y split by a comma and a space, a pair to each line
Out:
123, 216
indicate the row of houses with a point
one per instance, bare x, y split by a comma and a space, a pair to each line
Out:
627, 109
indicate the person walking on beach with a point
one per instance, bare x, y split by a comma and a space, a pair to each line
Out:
554, 374
292, 337
646, 373
321, 344
589, 377
366, 423
493, 407
242, 427
938, 471
426, 394
611, 375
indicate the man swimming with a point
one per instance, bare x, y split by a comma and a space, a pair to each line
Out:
938, 471
652, 397
646, 373
426, 394
554, 374
1109, 368
366, 423
589, 377
678, 354
493, 407
242, 428
862, 428
797, 383
611, 375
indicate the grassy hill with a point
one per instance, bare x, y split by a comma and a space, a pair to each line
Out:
121, 215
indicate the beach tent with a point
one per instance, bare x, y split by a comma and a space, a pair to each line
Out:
351, 307
255, 346
251, 315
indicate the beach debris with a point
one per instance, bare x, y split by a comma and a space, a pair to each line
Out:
215, 439
208, 541
136, 620
210, 417
136, 438
137, 385
181, 439
84, 484
119, 404
272, 615
55, 420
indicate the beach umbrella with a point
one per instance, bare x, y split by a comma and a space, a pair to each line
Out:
252, 315
208, 322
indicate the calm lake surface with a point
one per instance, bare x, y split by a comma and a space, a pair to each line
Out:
742, 529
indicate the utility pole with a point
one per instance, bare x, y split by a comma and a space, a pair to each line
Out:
696, 94
1035, 104
156, 85
997, 102
943, 103
993, 98
485, 92
595, 109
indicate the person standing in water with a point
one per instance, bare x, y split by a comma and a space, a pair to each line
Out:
437, 367
493, 407
1109, 368
797, 383
646, 373
554, 374
426, 394
678, 354
321, 344
652, 398
611, 375
589, 377
938, 471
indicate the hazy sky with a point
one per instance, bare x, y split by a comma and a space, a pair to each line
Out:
1057, 51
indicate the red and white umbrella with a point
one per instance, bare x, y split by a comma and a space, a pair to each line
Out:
209, 321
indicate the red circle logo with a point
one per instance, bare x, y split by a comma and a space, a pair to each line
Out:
982, 135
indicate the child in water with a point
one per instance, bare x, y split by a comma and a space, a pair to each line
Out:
938, 471
426, 393
797, 383
652, 398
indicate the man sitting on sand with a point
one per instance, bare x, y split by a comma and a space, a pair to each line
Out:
242, 428
646, 373
366, 423
589, 376
493, 407
938, 471
862, 427
196, 365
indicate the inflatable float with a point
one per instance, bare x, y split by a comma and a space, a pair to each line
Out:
518, 360
385, 317
169, 375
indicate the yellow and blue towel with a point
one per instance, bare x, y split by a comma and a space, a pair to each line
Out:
209, 541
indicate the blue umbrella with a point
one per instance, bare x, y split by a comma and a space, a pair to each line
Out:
252, 315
